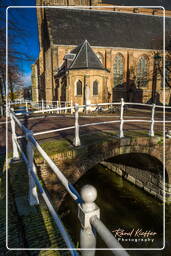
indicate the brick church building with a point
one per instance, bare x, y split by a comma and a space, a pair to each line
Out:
90, 54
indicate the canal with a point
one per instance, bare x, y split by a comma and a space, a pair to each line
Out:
124, 209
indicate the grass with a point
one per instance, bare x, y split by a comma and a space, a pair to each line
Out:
63, 145
54, 146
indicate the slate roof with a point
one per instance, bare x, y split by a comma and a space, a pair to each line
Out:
165, 3
85, 58
106, 29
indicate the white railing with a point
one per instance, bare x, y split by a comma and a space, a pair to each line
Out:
40, 106
88, 211
121, 121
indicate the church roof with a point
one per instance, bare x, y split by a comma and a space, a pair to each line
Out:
85, 58
106, 29
165, 3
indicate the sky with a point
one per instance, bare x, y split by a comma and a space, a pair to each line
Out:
24, 33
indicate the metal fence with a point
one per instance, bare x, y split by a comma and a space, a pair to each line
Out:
88, 211
122, 106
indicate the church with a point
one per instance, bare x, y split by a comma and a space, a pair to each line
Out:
93, 52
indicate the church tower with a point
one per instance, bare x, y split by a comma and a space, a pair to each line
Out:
39, 67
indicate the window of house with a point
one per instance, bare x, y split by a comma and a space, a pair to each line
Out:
118, 69
95, 88
142, 71
79, 88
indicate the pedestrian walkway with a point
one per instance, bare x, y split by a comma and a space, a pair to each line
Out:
28, 226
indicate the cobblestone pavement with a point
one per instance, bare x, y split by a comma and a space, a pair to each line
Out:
28, 226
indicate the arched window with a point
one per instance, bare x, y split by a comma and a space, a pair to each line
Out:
142, 71
79, 88
100, 57
95, 88
118, 69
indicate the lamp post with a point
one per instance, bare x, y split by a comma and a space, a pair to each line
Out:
157, 59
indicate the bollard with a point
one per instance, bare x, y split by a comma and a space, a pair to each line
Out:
33, 196
14, 138
121, 135
76, 142
85, 212
151, 132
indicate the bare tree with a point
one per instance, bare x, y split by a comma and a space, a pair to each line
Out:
15, 54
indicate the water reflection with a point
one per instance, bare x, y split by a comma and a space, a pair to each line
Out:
123, 206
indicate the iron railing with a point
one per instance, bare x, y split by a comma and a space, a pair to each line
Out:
88, 211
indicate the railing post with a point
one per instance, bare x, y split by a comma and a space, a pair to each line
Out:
8, 110
60, 111
42, 105
72, 110
121, 135
16, 155
2, 112
168, 134
85, 211
26, 106
77, 138
151, 132
65, 107
57, 106
33, 196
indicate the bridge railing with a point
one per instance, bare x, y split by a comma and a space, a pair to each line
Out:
88, 211
29, 106
121, 121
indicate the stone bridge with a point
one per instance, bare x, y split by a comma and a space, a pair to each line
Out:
77, 161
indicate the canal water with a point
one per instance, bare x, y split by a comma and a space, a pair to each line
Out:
133, 216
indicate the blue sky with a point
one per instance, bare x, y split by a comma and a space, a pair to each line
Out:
25, 33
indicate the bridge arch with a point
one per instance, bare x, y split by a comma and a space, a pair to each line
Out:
151, 147
83, 159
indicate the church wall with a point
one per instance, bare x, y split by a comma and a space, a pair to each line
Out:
104, 6
68, 2
48, 76
34, 78
50, 59
87, 77
146, 11
131, 57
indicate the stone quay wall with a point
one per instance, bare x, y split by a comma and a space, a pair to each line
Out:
150, 182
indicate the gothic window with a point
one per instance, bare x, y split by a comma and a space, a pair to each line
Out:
142, 68
79, 88
100, 57
95, 88
118, 69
